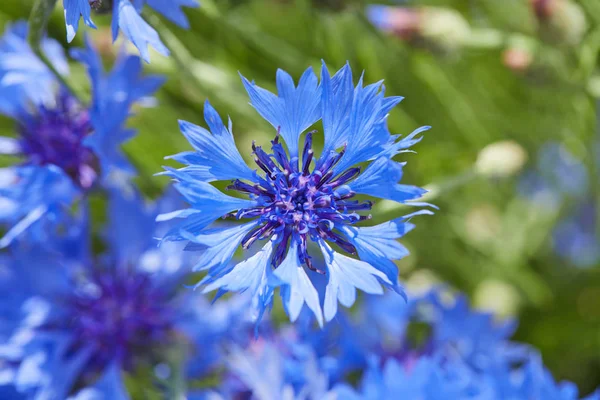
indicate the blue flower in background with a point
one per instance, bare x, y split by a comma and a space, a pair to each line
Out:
127, 19
575, 237
561, 183
435, 347
65, 148
77, 321
434, 326
297, 199
274, 370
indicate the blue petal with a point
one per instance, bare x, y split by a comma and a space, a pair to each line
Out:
250, 275
109, 386
294, 110
133, 26
113, 96
336, 105
9, 146
404, 143
345, 276
297, 285
130, 226
36, 191
368, 134
219, 244
380, 179
208, 204
74, 9
23, 76
171, 9
216, 156
380, 16
377, 244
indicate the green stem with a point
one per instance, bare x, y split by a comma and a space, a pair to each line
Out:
38, 22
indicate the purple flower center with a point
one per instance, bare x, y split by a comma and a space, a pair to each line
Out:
56, 136
294, 202
117, 314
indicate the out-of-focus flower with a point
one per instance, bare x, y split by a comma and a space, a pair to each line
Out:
561, 179
127, 19
274, 369
576, 236
78, 321
437, 28
501, 159
561, 21
65, 147
289, 205
517, 59
435, 347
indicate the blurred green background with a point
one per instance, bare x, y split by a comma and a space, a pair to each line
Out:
481, 72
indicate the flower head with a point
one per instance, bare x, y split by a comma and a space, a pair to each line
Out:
66, 147
127, 19
78, 320
296, 199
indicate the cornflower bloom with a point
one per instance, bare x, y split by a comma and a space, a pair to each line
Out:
296, 199
66, 148
78, 321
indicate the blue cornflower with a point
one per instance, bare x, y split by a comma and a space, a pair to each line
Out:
126, 18
295, 198
436, 347
426, 379
272, 369
79, 320
66, 148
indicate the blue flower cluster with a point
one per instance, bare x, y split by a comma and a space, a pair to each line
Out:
433, 348
96, 307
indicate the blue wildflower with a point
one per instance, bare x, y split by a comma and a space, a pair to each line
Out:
127, 19
435, 347
297, 198
78, 321
66, 148
274, 370
426, 379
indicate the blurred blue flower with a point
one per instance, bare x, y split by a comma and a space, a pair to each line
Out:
274, 370
65, 148
426, 379
436, 347
434, 326
575, 237
126, 18
561, 182
288, 204
77, 321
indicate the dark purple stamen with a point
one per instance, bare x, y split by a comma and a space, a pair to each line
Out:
295, 204
117, 314
55, 135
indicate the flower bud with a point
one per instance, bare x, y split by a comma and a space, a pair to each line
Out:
560, 21
517, 59
438, 29
444, 29
501, 159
